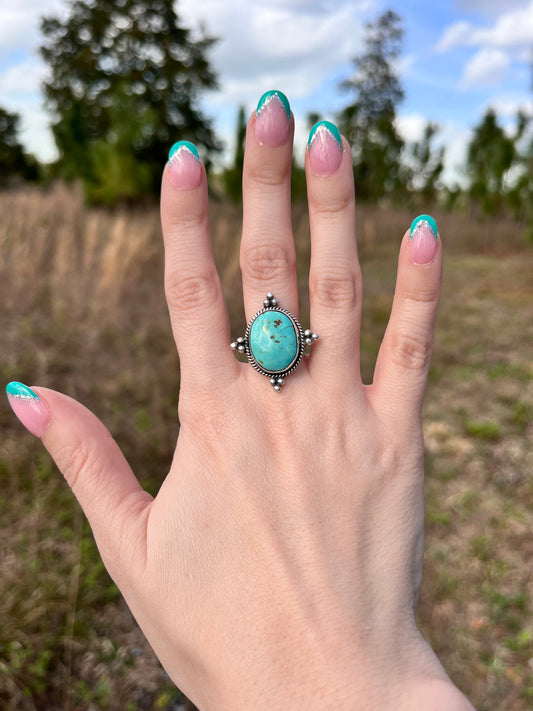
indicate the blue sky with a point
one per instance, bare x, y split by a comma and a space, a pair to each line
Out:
460, 56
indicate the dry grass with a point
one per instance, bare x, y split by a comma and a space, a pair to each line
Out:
83, 311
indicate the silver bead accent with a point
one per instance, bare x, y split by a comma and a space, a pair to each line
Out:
234, 345
307, 333
240, 348
270, 295
308, 341
315, 336
277, 388
272, 381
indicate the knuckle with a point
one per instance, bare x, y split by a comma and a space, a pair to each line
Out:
80, 463
186, 292
413, 298
127, 543
267, 263
411, 351
334, 290
334, 205
265, 176
192, 219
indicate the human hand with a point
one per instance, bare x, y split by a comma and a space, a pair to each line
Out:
279, 565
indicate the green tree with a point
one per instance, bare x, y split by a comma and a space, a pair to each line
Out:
125, 80
369, 121
426, 164
312, 118
490, 156
233, 176
519, 194
14, 163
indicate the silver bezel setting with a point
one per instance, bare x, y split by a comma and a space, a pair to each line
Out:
304, 338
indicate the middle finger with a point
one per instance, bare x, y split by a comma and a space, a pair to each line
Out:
268, 261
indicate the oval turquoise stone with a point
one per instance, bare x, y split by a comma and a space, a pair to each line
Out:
273, 341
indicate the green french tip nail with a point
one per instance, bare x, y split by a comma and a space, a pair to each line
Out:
19, 390
325, 126
428, 220
180, 145
267, 98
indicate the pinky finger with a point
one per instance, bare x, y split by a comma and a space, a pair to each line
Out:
403, 360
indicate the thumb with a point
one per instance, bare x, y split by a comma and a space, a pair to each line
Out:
94, 467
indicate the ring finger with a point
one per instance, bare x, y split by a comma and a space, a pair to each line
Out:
267, 257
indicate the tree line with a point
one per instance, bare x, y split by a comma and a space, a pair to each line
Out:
126, 78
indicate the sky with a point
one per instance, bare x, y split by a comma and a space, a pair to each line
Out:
459, 58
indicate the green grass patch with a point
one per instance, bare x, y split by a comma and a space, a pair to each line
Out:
482, 547
522, 414
507, 609
519, 642
467, 502
483, 429
509, 370
462, 373
440, 518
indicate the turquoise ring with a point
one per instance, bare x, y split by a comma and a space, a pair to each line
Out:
274, 342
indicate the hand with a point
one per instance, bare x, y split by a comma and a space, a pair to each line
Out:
279, 565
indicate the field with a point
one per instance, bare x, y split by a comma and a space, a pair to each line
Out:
83, 311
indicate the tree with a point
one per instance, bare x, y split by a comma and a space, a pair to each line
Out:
125, 79
519, 196
426, 165
13, 161
312, 118
490, 156
233, 175
369, 121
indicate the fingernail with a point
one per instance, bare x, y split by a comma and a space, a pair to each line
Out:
272, 119
325, 148
423, 239
185, 167
28, 407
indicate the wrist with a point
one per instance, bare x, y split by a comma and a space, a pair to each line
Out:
434, 694
341, 679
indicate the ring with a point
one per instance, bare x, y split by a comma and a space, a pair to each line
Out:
274, 342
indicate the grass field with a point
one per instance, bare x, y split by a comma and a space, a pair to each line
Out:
83, 311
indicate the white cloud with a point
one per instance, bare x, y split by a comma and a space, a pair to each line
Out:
404, 64
508, 106
487, 7
290, 45
20, 23
22, 78
454, 35
455, 138
20, 92
486, 68
511, 29
411, 127
36, 135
